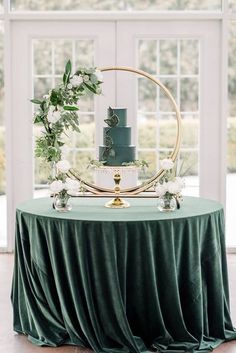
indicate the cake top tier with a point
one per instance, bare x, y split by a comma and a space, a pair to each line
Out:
121, 114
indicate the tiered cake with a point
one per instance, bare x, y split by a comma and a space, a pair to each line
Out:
117, 148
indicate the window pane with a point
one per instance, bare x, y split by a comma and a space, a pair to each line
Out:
175, 62
168, 57
189, 94
147, 95
84, 53
115, 5
147, 131
3, 215
63, 50
167, 132
49, 58
231, 139
189, 57
148, 56
165, 103
42, 49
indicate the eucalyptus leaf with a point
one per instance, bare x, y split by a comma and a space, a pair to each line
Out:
90, 88
68, 67
38, 119
70, 107
35, 101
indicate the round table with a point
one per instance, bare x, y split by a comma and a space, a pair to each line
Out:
122, 280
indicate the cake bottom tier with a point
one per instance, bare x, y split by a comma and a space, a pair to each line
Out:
123, 154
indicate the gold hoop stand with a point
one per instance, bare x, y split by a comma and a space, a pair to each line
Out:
95, 189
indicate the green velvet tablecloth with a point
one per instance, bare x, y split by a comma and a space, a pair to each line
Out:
122, 280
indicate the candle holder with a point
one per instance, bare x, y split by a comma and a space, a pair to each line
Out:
117, 202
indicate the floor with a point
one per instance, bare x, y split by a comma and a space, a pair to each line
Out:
14, 343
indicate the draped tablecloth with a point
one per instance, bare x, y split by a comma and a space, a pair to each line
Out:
122, 280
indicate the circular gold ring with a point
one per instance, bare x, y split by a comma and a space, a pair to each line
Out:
149, 183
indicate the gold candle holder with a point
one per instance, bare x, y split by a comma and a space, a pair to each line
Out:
117, 202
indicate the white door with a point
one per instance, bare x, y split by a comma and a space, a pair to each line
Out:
39, 50
185, 56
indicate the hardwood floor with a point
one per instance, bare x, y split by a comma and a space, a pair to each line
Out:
14, 343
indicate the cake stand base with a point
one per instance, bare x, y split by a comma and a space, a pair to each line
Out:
117, 202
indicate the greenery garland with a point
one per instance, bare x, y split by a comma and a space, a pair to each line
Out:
58, 110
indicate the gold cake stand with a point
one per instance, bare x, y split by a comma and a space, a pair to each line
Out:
117, 202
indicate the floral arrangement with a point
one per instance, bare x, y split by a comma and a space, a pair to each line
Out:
57, 113
58, 110
169, 185
62, 184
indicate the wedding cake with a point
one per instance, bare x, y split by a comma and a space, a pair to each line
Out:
116, 148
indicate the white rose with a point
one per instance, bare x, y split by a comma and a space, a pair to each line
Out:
99, 75
76, 80
63, 166
72, 185
53, 116
167, 164
56, 186
69, 86
160, 190
174, 187
86, 78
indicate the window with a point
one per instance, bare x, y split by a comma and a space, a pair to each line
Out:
49, 59
175, 62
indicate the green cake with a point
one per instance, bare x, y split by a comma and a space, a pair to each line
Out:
117, 148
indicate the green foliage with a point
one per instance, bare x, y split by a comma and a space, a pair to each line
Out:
57, 110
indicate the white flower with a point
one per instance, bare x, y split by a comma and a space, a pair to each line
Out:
63, 166
161, 190
76, 80
172, 187
175, 186
56, 186
53, 115
99, 75
167, 164
69, 86
72, 185
86, 78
